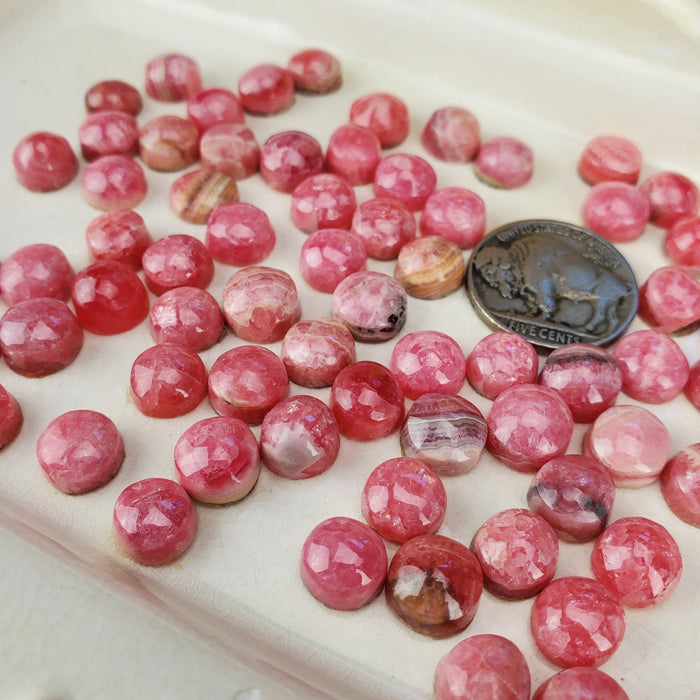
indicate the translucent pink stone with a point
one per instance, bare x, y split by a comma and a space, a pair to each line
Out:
154, 521
575, 495
428, 361
353, 153
177, 260
680, 484
260, 304
188, 316
172, 78
528, 425
80, 451
343, 563
113, 95
44, 162
371, 304
119, 235
231, 149
168, 380
452, 134
692, 386
580, 682
406, 178
105, 133
403, 498
654, 368
669, 299
315, 350
329, 255
315, 71
457, 214
630, 442
36, 270
367, 401
445, 431
504, 162
433, 585
616, 211
266, 89
501, 360
324, 200
114, 182
39, 337
384, 114
484, 666
288, 158
638, 560
169, 143
430, 267
384, 226
246, 382
518, 552
213, 106
682, 242
217, 460
672, 197
109, 297
11, 417
585, 376
607, 158
195, 195
577, 621
239, 234
299, 438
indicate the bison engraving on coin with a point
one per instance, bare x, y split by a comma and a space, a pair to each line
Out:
553, 283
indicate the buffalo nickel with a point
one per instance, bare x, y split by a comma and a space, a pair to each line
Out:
553, 283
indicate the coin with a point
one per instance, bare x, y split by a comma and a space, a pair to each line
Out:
553, 283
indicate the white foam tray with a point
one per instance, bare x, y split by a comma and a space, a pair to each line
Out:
552, 73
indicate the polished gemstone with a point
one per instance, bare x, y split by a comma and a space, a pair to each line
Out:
606, 158
321, 201
630, 442
367, 401
638, 560
384, 226
672, 196
430, 267
119, 235
177, 260
80, 451
11, 417
109, 298
289, 157
299, 438
105, 133
217, 460
113, 95
445, 431
315, 71
406, 178
518, 552
239, 234
154, 521
260, 304
36, 270
343, 563
371, 304
266, 89
456, 214
39, 337
585, 376
354, 153
169, 143
654, 368
428, 361
403, 498
246, 382
682, 242
452, 134
44, 162
433, 585
195, 195
669, 299
692, 386
680, 484
172, 78
328, 256
315, 350
214, 106
114, 182
575, 495
617, 211
384, 114
528, 425
501, 360
504, 162
580, 683
187, 315
577, 621
231, 149
483, 667
168, 380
